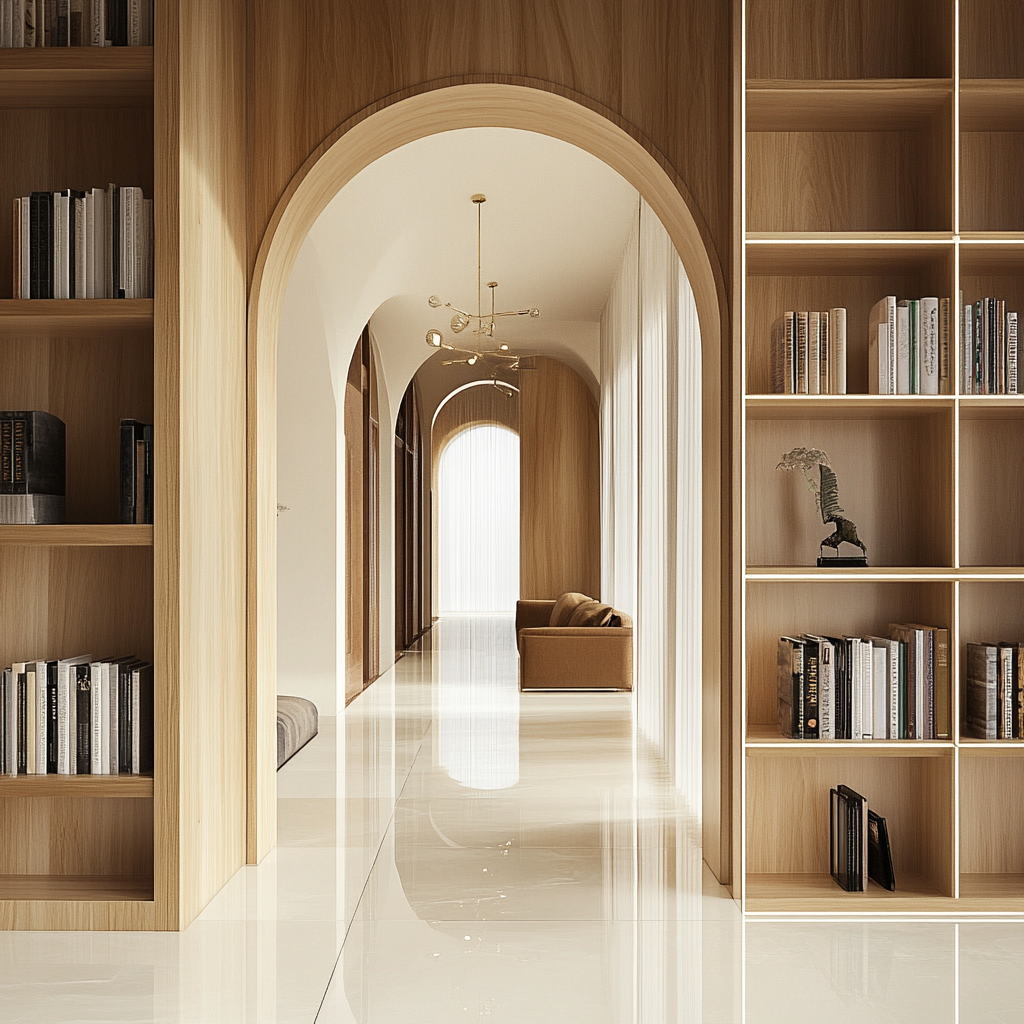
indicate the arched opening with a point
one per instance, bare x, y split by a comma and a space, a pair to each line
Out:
355, 146
478, 522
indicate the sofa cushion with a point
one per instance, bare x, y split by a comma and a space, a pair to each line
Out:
564, 607
591, 613
297, 722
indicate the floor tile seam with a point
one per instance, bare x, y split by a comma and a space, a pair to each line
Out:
366, 882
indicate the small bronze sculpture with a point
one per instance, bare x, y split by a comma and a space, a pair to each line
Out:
826, 497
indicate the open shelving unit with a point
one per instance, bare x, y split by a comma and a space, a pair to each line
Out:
882, 141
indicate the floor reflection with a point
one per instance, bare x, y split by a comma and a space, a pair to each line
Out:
448, 855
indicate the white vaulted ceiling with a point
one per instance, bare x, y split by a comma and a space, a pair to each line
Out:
555, 224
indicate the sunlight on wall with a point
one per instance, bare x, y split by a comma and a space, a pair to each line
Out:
478, 519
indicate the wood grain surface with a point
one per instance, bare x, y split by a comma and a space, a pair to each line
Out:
559, 481
119, 76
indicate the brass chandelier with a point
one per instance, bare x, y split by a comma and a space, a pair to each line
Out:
497, 358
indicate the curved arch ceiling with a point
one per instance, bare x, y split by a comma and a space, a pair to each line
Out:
555, 224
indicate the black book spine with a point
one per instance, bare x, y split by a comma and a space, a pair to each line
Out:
5, 676
34, 245
812, 662
124, 719
46, 246
114, 199
6, 454
83, 707
147, 434
45, 454
127, 471
61, 28
51, 718
19, 453
23, 723
146, 719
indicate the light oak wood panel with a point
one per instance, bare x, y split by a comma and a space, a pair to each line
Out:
80, 912
58, 148
120, 76
850, 180
895, 483
559, 510
832, 608
74, 888
826, 276
990, 35
788, 815
853, 39
107, 787
987, 893
200, 529
991, 483
58, 318
991, 196
63, 835
819, 894
992, 818
45, 535
863, 105
65, 601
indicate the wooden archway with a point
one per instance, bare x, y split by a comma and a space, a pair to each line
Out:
387, 125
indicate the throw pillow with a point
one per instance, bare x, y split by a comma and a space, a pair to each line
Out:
564, 607
591, 613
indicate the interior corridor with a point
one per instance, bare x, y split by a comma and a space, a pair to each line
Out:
455, 850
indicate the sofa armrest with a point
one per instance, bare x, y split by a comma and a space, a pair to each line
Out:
530, 614
576, 658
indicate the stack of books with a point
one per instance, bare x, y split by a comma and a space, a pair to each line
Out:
30, 23
908, 347
808, 354
989, 348
858, 843
83, 245
136, 472
864, 688
32, 487
994, 704
77, 716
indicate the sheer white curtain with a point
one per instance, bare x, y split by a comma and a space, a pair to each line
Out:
651, 488
478, 521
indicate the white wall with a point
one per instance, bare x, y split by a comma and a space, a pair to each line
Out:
651, 492
307, 476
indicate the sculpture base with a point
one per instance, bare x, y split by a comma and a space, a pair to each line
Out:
843, 562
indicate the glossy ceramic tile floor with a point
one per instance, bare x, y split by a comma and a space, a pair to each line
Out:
452, 850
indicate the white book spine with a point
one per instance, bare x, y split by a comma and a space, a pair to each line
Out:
98, 23
919, 732
62, 207
124, 240
109, 252
880, 686
801, 353
89, 249
866, 705
1011, 353
63, 719
903, 347
813, 353
855, 690
12, 722
30, 719
967, 351
41, 716
30, 23
26, 247
837, 347
6, 18
893, 732
134, 22
827, 713
930, 356
105, 719
101, 238
72, 720
95, 720
18, 25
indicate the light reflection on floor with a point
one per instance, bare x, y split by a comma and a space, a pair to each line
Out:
453, 850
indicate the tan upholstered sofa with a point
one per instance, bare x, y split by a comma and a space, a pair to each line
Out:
592, 657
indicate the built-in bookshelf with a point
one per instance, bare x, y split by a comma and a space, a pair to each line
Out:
879, 160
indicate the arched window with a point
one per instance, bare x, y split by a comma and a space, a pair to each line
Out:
478, 520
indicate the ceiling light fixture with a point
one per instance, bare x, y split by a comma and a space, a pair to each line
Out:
496, 359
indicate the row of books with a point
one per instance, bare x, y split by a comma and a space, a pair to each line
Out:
858, 843
32, 478
808, 355
909, 346
993, 701
32, 23
83, 245
862, 688
989, 347
77, 716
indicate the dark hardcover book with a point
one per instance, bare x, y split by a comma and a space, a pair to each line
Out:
76, 24
147, 438
114, 254
60, 28
51, 718
880, 868
845, 842
46, 246
124, 716
6, 455
980, 692
837, 838
142, 680
35, 245
840, 692
83, 723
857, 838
128, 470
812, 689
790, 687
38, 453
23, 723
